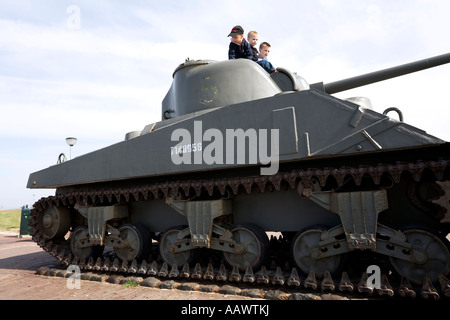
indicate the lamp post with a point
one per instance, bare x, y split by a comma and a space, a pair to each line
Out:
71, 142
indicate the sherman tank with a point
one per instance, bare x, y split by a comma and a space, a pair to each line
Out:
248, 169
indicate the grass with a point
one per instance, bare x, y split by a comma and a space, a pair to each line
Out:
130, 284
10, 219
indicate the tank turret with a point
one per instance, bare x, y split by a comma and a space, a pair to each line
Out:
200, 85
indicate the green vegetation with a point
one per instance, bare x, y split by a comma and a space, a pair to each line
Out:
10, 219
130, 283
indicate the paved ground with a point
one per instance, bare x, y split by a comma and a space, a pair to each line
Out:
20, 258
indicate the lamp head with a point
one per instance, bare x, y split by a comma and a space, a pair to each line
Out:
71, 141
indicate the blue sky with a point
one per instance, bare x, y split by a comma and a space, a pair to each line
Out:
96, 70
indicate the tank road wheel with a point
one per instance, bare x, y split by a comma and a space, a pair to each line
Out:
254, 243
437, 255
138, 242
167, 242
55, 222
303, 252
79, 244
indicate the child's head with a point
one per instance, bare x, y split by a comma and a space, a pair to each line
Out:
252, 38
237, 38
237, 34
264, 49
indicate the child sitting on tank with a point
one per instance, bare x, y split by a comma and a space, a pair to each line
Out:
252, 38
264, 50
239, 47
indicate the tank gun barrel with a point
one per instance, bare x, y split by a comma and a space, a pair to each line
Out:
381, 75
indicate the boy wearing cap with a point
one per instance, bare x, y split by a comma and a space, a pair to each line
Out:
239, 47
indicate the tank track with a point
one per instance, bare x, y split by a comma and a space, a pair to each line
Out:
280, 278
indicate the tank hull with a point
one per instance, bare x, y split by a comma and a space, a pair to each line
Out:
299, 118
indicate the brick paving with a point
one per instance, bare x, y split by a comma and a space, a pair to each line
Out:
21, 258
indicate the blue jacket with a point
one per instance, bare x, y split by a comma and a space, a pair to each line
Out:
240, 51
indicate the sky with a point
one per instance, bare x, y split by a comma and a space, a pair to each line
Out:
96, 70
